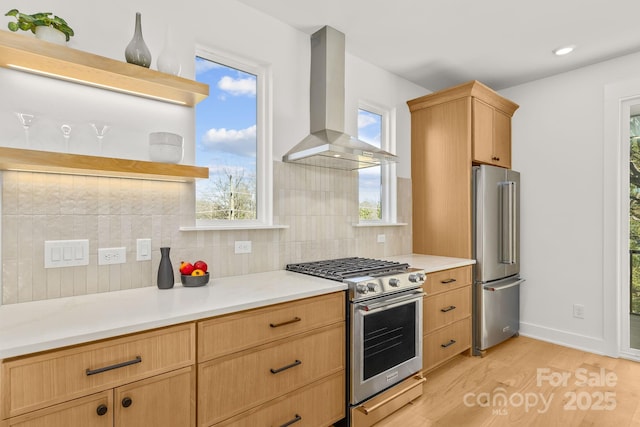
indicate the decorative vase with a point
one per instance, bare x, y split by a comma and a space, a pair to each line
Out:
168, 60
165, 270
51, 34
137, 51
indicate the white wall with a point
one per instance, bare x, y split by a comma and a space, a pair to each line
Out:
559, 147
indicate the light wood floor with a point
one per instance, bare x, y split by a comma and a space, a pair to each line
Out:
467, 391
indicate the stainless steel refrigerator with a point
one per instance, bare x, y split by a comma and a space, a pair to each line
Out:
496, 227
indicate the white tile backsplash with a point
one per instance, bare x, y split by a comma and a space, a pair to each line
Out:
319, 206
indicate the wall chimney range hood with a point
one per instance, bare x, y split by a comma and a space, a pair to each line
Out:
328, 146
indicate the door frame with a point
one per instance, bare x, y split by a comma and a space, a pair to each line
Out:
619, 97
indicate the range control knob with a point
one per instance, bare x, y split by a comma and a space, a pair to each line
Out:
373, 287
413, 278
421, 277
394, 282
361, 288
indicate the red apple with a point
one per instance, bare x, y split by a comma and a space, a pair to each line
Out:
186, 268
200, 265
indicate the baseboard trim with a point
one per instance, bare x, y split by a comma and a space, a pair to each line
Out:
595, 345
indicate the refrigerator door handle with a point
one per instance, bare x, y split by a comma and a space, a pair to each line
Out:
502, 287
508, 223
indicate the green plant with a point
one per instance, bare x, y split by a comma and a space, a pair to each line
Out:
30, 22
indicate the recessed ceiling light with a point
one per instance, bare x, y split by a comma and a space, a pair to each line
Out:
564, 50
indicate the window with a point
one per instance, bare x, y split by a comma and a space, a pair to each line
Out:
376, 189
232, 141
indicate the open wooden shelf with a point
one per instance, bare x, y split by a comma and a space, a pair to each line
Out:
25, 53
76, 164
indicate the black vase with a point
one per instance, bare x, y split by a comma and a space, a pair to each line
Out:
165, 270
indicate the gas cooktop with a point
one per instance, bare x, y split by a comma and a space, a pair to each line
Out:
344, 268
366, 278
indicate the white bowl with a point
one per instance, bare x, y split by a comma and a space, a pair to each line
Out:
166, 147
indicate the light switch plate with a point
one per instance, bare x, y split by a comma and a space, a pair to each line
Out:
143, 249
66, 253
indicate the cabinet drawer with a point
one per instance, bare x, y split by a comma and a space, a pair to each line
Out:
445, 280
234, 384
320, 404
32, 382
445, 308
445, 343
229, 334
81, 412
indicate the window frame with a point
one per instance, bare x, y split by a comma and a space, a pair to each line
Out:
264, 144
388, 175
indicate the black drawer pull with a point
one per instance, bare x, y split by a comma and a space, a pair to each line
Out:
451, 342
446, 282
102, 409
138, 359
284, 368
451, 307
126, 402
293, 421
288, 322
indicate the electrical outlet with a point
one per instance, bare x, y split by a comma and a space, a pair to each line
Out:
381, 238
243, 246
578, 311
112, 256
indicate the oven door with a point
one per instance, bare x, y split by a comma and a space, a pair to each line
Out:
386, 342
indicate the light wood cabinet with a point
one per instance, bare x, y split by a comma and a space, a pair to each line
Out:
446, 316
262, 361
166, 400
491, 135
154, 370
268, 366
318, 404
89, 411
451, 130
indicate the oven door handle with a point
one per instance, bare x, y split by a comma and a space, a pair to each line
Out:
390, 303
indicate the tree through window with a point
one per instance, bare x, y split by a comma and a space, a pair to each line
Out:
226, 143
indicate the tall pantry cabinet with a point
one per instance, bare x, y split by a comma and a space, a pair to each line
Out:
451, 130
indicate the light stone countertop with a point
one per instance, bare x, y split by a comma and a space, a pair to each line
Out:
44, 325
431, 263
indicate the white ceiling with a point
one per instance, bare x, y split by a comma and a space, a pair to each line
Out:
440, 43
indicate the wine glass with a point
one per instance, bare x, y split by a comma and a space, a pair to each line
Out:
25, 121
66, 132
101, 130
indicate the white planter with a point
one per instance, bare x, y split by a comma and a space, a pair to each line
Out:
51, 34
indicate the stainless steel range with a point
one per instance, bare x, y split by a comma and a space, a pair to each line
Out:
385, 320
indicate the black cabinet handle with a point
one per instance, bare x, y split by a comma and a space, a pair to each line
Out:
288, 322
126, 402
451, 342
495, 158
284, 368
138, 359
446, 282
293, 421
451, 307
102, 409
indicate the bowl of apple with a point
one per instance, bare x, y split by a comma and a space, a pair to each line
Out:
192, 275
